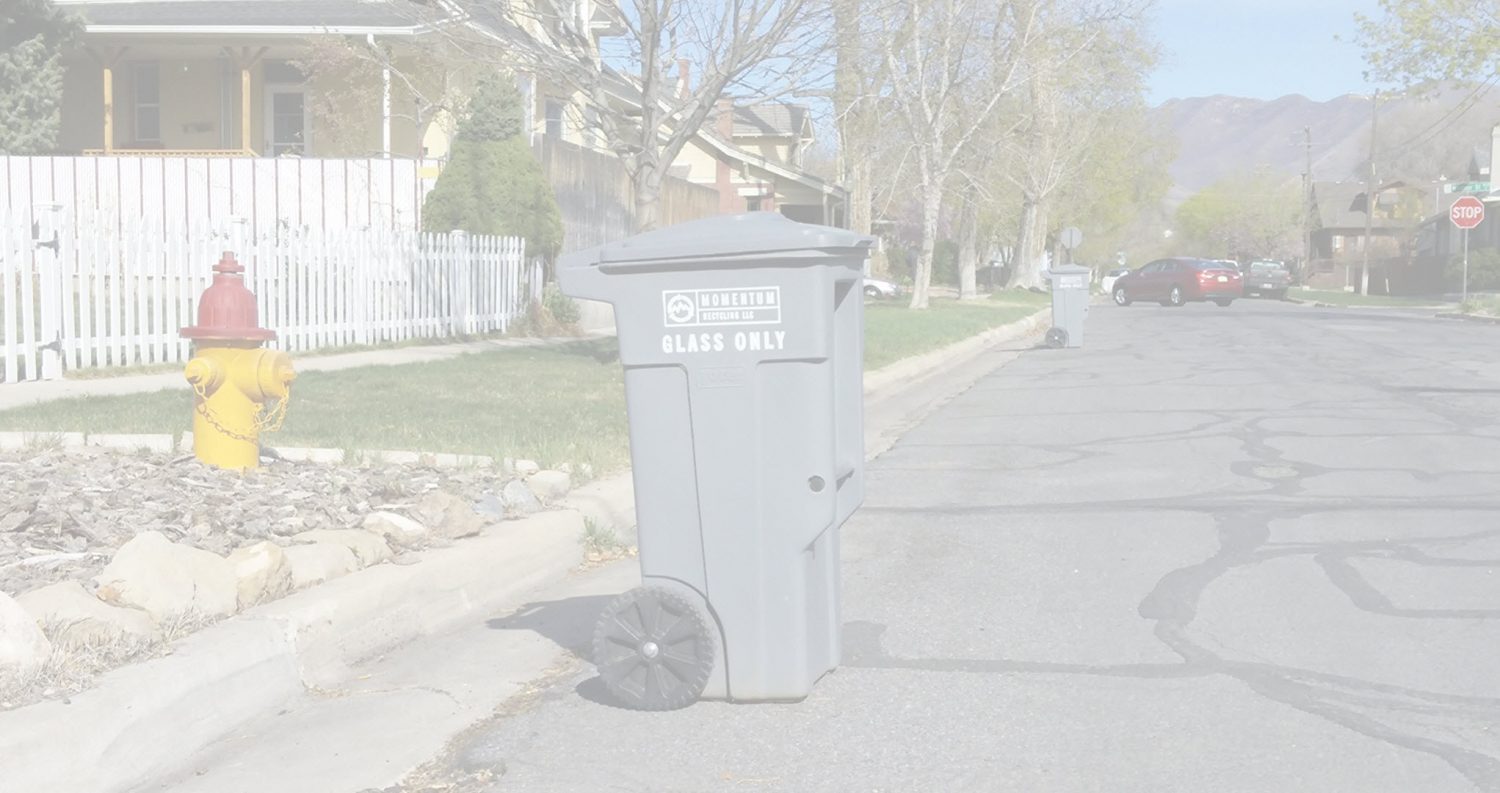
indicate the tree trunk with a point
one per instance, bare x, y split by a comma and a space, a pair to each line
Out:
968, 252
860, 219
1031, 245
932, 209
647, 199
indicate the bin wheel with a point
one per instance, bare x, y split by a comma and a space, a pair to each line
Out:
1057, 338
654, 649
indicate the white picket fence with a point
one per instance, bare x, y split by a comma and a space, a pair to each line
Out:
266, 193
82, 291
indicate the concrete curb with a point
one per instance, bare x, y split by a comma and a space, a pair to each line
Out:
918, 367
1483, 320
1321, 304
146, 719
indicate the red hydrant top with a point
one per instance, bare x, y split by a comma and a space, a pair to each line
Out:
226, 311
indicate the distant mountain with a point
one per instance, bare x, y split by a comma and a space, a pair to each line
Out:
1419, 139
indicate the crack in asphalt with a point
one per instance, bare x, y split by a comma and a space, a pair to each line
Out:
1243, 524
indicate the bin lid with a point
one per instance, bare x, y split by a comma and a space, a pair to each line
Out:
1070, 269
732, 238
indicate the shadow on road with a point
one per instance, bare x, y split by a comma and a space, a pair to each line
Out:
568, 623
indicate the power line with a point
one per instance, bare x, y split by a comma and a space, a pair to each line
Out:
1444, 121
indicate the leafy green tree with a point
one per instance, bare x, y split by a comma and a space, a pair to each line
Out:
33, 35
1418, 41
493, 184
1256, 214
1484, 270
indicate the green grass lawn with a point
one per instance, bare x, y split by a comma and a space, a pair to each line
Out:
554, 405
1482, 305
893, 332
1341, 298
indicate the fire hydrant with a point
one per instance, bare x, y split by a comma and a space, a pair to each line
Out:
233, 377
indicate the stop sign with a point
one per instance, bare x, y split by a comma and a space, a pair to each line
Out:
1467, 212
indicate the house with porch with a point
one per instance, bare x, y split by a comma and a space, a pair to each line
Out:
336, 84
232, 78
1342, 217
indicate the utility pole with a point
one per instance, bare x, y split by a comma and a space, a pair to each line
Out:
1364, 274
1307, 207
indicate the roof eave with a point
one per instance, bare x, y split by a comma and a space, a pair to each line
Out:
291, 31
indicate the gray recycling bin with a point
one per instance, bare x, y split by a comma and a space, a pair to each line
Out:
742, 340
1070, 305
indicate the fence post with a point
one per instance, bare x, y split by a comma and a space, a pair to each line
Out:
50, 292
458, 285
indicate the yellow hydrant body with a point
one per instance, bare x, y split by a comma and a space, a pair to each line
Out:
232, 376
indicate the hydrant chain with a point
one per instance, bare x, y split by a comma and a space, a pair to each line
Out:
232, 375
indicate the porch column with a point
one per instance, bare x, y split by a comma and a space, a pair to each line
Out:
107, 57
245, 106
109, 109
246, 60
385, 98
385, 110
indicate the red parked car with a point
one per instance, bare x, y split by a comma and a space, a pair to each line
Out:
1173, 282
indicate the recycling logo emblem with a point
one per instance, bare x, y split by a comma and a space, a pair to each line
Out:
680, 310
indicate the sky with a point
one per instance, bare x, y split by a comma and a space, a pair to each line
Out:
1260, 49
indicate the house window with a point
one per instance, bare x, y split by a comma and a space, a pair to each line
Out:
554, 116
752, 204
147, 102
286, 122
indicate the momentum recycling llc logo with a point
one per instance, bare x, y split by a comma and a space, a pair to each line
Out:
754, 305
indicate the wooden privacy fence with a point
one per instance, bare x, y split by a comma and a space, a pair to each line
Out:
82, 291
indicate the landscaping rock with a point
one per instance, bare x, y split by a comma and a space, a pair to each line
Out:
23, 646
313, 564
65, 511
78, 619
491, 507
519, 499
566, 468
396, 529
261, 573
527, 467
550, 485
449, 516
168, 580
368, 547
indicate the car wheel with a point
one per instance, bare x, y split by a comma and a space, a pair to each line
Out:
872, 292
1174, 297
1224, 303
1121, 298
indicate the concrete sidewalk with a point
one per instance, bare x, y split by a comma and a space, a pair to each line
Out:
14, 395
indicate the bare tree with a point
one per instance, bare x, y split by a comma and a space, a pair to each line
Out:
856, 83
1088, 74
627, 75
937, 54
348, 73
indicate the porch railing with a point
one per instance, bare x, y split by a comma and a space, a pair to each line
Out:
170, 153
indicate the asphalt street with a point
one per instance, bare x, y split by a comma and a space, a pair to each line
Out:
1218, 549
